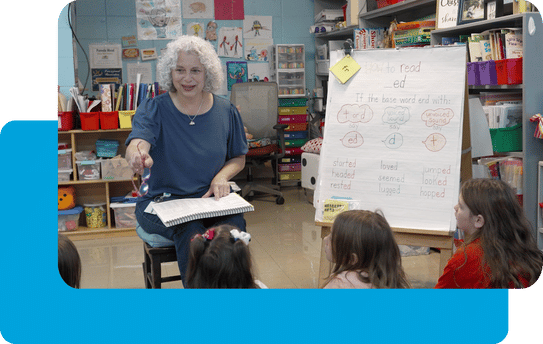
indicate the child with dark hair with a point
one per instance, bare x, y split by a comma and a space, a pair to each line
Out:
69, 262
499, 250
365, 255
220, 258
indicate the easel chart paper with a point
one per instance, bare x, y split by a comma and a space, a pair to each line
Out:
393, 135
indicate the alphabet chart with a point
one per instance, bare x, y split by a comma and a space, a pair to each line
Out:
393, 135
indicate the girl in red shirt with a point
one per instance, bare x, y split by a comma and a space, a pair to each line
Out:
499, 250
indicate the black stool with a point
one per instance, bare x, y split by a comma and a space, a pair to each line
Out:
152, 269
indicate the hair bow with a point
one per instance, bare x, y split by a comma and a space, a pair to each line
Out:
208, 235
243, 236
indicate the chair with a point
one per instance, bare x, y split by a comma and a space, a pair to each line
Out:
156, 250
152, 265
258, 102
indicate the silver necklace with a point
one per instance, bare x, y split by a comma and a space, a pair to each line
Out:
199, 107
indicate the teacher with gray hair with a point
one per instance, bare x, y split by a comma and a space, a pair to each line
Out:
187, 142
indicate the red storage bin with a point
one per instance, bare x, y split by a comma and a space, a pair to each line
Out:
65, 120
109, 120
90, 120
514, 71
501, 72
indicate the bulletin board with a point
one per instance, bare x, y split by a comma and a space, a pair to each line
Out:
393, 136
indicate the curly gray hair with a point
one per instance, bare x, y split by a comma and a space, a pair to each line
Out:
205, 52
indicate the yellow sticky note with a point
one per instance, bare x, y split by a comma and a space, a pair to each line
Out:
345, 69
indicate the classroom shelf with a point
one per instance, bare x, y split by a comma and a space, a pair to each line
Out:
99, 190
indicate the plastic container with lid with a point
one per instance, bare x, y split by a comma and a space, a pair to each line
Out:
68, 220
89, 169
95, 214
125, 215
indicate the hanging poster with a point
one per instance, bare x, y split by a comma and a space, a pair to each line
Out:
258, 72
447, 12
235, 72
198, 9
157, 20
229, 10
195, 29
105, 56
393, 136
257, 26
230, 42
258, 49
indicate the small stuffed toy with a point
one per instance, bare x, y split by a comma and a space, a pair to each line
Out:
66, 197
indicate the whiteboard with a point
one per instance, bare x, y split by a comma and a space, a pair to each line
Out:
393, 135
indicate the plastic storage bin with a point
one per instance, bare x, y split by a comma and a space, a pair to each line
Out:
88, 169
116, 169
68, 220
487, 73
65, 175
64, 159
507, 139
125, 119
514, 71
125, 215
95, 214
501, 72
65, 120
473, 73
106, 148
90, 120
109, 120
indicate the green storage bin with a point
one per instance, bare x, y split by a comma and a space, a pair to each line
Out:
507, 139
292, 101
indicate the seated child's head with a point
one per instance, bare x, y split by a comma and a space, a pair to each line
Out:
362, 240
220, 258
486, 207
69, 262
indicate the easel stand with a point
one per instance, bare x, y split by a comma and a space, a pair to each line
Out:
442, 240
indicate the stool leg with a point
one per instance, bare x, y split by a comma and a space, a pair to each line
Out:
156, 273
146, 268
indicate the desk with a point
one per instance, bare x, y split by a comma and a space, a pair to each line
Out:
403, 236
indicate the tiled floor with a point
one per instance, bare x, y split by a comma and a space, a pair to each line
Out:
285, 246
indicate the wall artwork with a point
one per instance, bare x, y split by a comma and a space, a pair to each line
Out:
257, 26
196, 29
198, 9
235, 72
257, 49
230, 42
158, 20
229, 10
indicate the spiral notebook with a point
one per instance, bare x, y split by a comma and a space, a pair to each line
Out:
179, 211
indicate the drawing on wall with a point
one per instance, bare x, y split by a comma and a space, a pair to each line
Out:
195, 29
198, 9
258, 26
157, 20
230, 42
236, 72
257, 49
258, 71
211, 31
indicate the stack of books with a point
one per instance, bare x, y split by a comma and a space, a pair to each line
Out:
413, 34
495, 44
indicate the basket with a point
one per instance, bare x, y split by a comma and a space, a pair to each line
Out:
65, 120
507, 139
106, 148
109, 120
